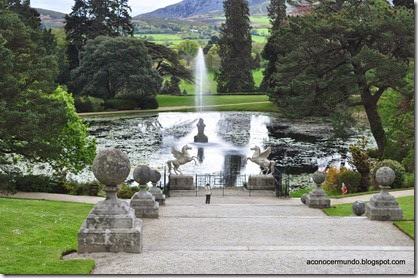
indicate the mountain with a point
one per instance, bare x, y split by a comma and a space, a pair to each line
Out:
192, 8
51, 19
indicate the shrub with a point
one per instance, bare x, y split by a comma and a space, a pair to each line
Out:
88, 104
351, 179
7, 185
409, 180
38, 183
120, 104
148, 103
126, 192
395, 166
361, 161
332, 183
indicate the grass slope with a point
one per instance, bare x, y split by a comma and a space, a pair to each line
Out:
167, 100
35, 233
406, 203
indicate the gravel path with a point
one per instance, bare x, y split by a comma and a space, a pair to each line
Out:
257, 235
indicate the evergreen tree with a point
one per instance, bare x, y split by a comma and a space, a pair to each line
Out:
92, 18
277, 13
235, 49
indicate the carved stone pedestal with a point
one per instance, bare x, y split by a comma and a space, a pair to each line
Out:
111, 226
384, 206
181, 182
144, 204
261, 182
158, 195
317, 198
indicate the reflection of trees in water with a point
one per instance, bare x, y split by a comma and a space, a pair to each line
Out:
235, 128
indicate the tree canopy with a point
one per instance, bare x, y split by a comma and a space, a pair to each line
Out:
117, 66
235, 73
188, 50
338, 50
38, 120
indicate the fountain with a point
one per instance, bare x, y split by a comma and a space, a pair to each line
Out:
200, 78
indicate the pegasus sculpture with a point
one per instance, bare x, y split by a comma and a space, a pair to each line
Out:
181, 157
260, 158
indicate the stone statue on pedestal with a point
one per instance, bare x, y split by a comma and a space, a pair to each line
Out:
182, 157
201, 137
260, 158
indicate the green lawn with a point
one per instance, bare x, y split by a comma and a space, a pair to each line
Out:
260, 19
340, 196
167, 100
190, 88
261, 39
34, 234
406, 203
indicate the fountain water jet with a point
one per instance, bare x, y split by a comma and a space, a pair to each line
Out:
200, 79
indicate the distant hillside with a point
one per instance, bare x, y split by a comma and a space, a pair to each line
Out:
191, 8
51, 19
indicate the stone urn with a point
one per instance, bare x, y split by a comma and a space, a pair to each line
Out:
317, 198
111, 225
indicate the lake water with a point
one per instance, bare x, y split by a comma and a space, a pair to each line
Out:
297, 145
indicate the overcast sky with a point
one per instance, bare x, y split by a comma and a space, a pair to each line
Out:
138, 6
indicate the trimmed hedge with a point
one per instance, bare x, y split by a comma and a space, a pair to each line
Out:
88, 104
351, 179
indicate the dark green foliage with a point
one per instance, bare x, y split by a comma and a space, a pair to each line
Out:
116, 67
235, 49
148, 103
76, 188
167, 62
405, 3
396, 108
120, 104
351, 179
171, 87
37, 120
342, 121
126, 192
88, 104
38, 183
409, 180
362, 163
213, 40
92, 18
327, 55
277, 13
395, 166
185, 92
28, 15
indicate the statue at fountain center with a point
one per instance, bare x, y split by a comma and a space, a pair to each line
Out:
261, 159
201, 137
182, 157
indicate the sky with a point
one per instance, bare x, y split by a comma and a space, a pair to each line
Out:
138, 6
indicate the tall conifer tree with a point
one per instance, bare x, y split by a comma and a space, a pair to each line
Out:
235, 49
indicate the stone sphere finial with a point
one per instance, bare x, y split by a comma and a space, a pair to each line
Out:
385, 176
318, 177
155, 176
142, 174
111, 166
358, 207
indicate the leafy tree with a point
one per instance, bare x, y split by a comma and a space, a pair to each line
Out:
117, 66
167, 62
29, 15
38, 121
324, 57
172, 87
213, 61
188, 50
92, 18
235, 73
277, 13
213, 40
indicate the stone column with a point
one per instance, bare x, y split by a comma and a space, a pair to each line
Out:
155, 191
143, 202
317, 198
111, 225
384, 206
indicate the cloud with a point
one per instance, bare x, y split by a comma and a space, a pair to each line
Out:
138, 6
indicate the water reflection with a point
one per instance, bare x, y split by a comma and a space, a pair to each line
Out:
296, 145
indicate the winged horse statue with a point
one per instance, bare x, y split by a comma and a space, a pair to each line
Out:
260, 158
182, 157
